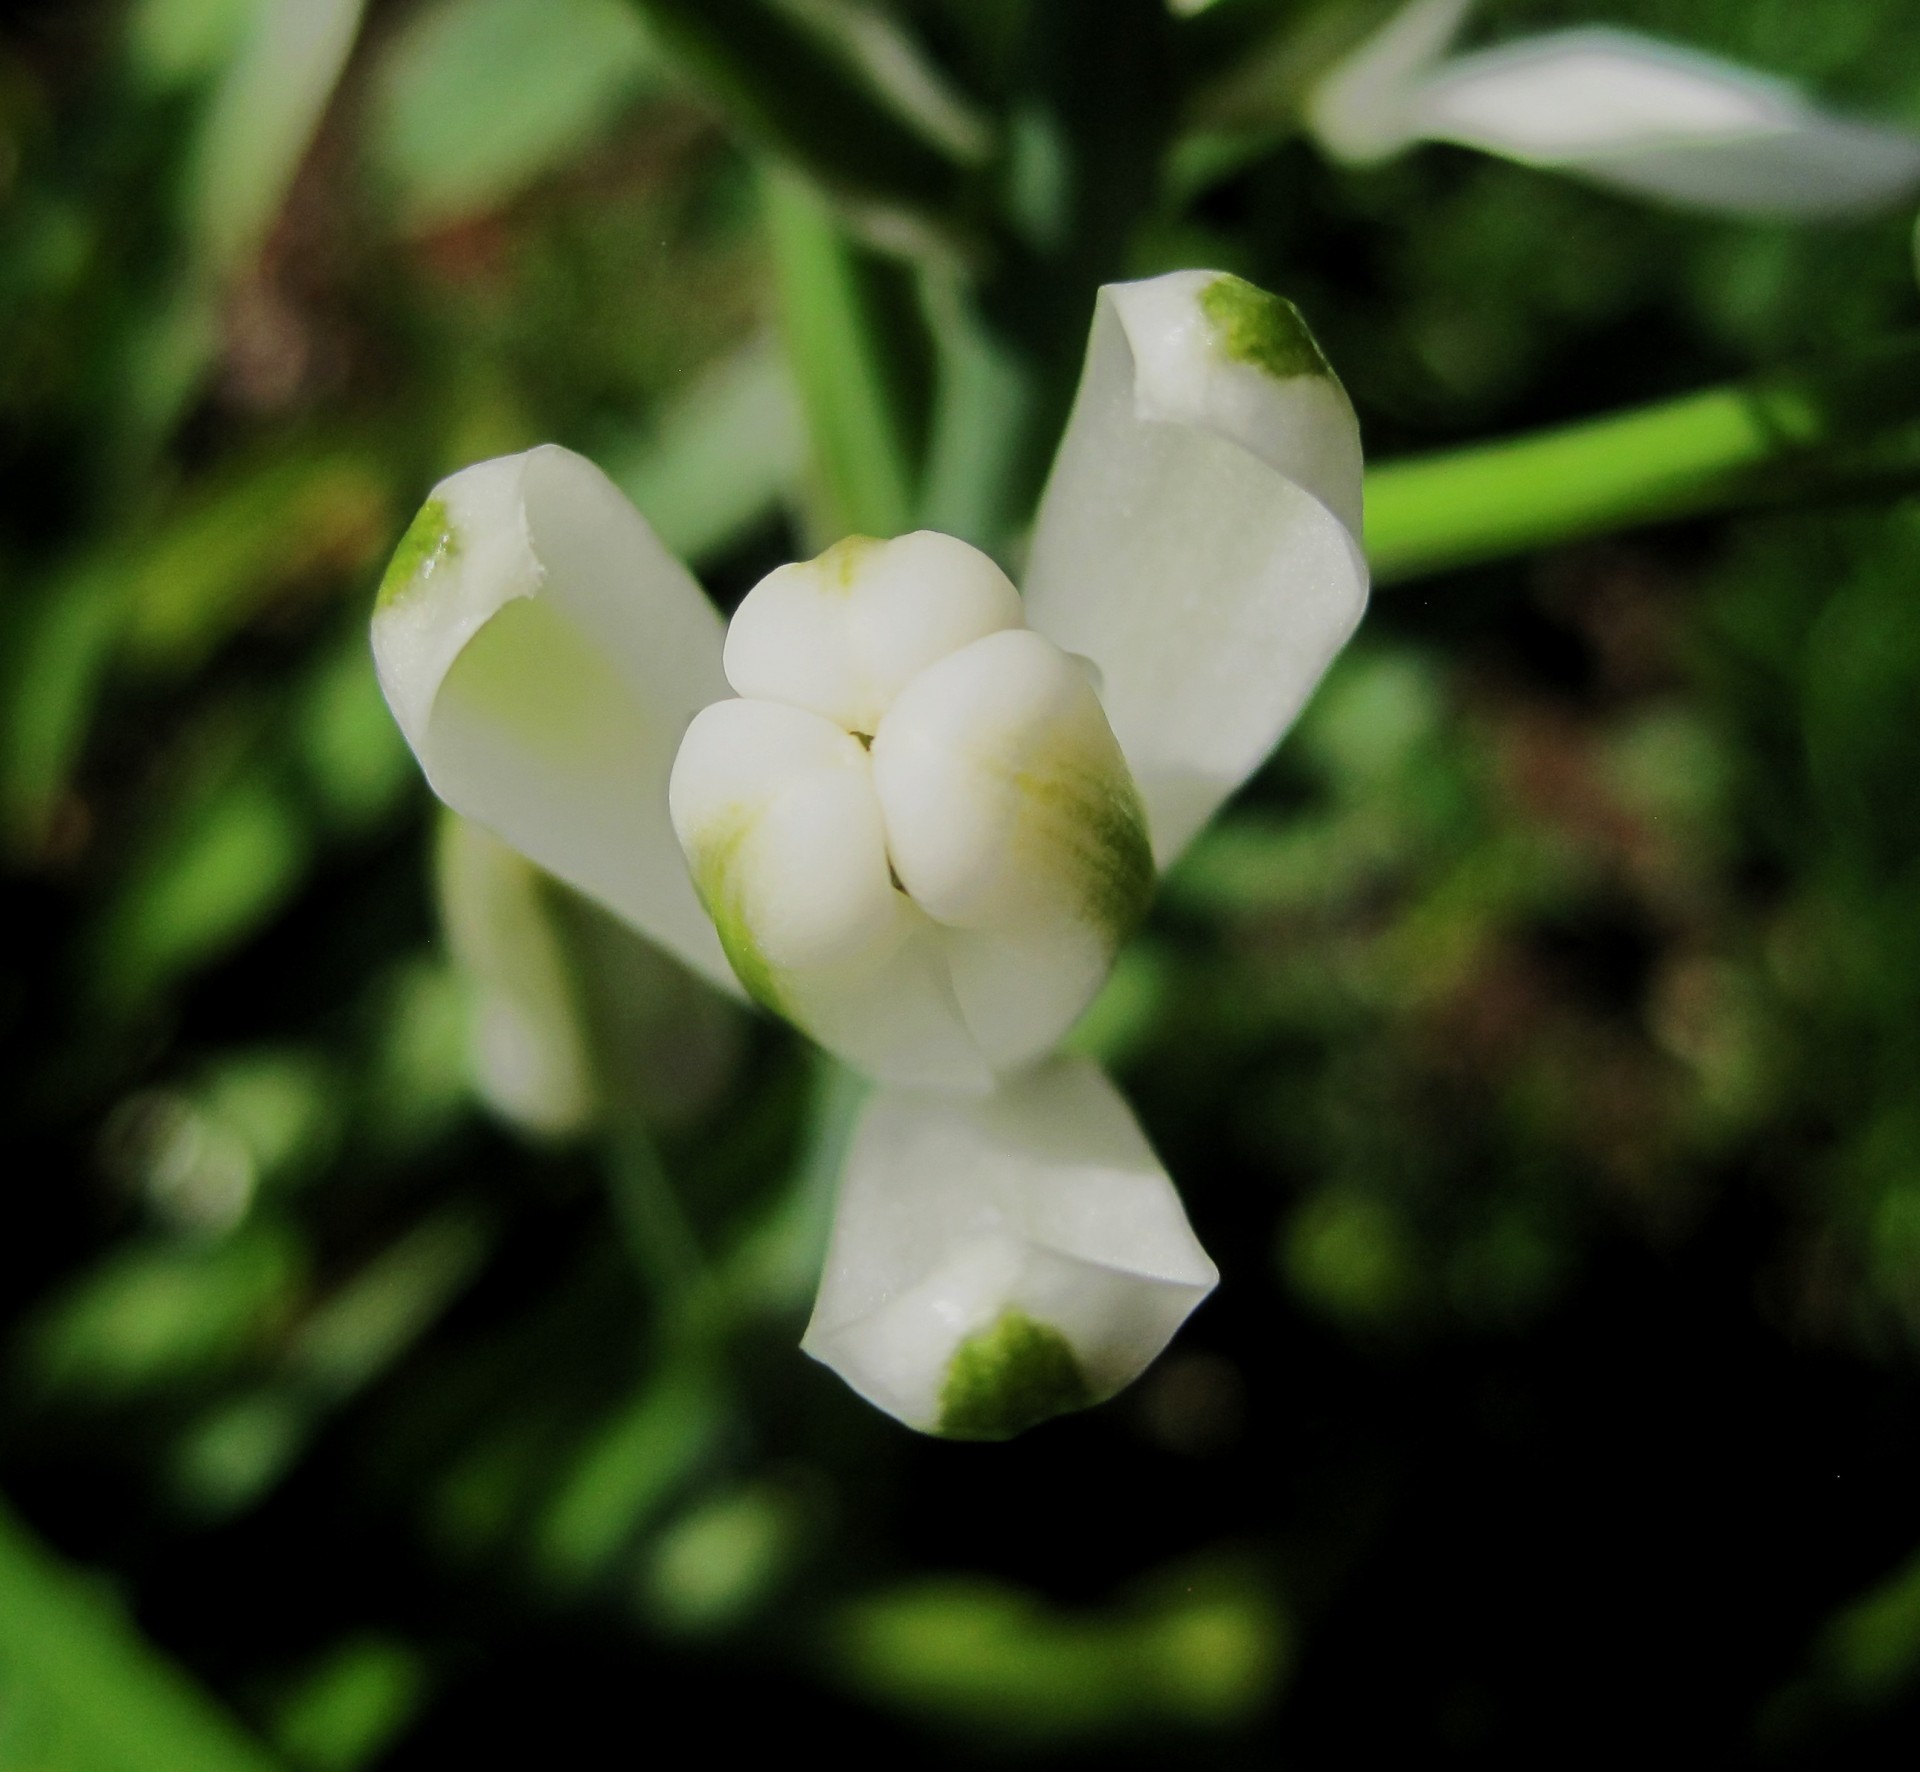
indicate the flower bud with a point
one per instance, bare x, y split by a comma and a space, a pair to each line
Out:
914, 830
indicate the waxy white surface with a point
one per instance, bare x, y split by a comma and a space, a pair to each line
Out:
1197, 542
544, 668
1042, 1198
843, 634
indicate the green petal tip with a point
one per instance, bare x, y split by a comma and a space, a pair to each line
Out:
1008, 1377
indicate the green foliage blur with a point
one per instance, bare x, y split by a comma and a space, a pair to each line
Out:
1536, 1042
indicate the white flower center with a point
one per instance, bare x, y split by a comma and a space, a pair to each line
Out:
912, 792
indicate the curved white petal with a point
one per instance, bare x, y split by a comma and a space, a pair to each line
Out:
842, 634
994, 1262
543, 654
1613, 106
776, 811
1653, 117
1199, 538
528, 1046
1013, 822
1006, 796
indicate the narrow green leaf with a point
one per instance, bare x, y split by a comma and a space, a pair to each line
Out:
722, 458
857, 431
789, 91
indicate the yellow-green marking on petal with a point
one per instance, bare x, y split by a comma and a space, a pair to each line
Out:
430, 539
1261, 330
1093, 814
715, 858
1008, 1377
840, 564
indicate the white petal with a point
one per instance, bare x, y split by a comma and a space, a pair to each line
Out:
1005, 794
530, 1058
776, 811
841, 634
1012, 820
543, 655
997, 1261
1367, 107
1616, 107
1199, 538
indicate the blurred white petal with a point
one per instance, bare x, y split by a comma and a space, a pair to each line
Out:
544, 655
995, 1262
1367, 107
1199, 538
529, 1053
843, 633
1652, 117
1616, 107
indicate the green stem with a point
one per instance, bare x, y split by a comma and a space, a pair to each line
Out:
1836, 429
658, 1233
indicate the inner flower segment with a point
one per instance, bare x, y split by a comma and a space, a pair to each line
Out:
913, 827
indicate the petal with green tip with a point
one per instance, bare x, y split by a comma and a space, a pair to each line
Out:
544, 654
1199, 539
997, 1261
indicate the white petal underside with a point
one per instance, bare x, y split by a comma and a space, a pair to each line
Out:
1198, 541
1042, 1199
544, 654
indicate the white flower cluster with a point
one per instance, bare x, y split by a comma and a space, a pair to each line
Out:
916, 813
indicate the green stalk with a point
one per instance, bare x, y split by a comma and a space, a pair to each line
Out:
1837, 429
858, 436
659, 1236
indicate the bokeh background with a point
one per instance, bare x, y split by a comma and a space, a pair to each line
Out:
1536, 1041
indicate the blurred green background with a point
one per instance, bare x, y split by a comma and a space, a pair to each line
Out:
1536, 1042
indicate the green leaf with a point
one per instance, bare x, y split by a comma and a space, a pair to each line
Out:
789, 91
262, 116
721, 459
476, 99
82, 1691
853, 413
346, 1709
1207, 1649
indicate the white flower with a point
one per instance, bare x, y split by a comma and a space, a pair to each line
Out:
1615, 107
920, 812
